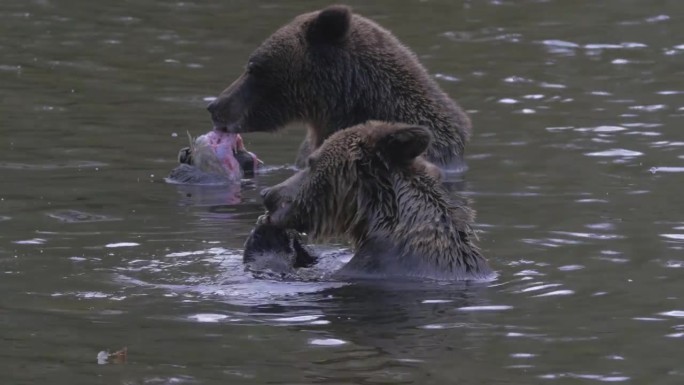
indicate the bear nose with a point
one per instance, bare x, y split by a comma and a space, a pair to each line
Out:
211, 107
264, 192
269, 199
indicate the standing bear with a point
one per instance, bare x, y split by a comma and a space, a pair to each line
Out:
332, 69
368, 183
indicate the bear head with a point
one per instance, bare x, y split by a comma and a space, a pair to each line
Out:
350, 176
370, 184
331, 69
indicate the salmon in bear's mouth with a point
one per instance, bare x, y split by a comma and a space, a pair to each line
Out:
220, 153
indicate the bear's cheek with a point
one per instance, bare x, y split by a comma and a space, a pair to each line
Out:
268, 113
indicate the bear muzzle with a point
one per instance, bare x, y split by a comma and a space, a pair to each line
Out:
277, 205
273, 201
219, 120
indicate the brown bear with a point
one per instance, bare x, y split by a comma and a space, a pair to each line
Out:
332, 69
369, 184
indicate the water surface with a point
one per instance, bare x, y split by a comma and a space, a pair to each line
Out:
576, 168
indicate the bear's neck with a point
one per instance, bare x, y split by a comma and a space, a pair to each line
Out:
415, 231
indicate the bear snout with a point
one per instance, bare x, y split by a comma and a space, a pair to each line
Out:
217, 110
277, 204
213, 106
264, 192
271, 199
228, 110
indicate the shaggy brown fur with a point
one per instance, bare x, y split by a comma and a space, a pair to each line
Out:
332, 69
369, 184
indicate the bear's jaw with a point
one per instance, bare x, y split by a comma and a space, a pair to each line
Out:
230, 128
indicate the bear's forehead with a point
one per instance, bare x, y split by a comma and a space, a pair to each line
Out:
276, 46
339, 147
347, 137
292, 33
289, 42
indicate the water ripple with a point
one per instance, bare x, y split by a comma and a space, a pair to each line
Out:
649, 108
33, 241
210, 318
625, 45
327, 342
618, 152
655, 170
539, 287
560, 43
672, 264
589, 235
677, 237
596, 377
556, 293
302, 318
604, 129
485, 308
570, 267
436, 301
523, 355
52, 166
75, 216
508, 101
121, 244
673, 313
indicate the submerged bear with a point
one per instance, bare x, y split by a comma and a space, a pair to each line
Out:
332, 69
276, 249
369, 184
214, 158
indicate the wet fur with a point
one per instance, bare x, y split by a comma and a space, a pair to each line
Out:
332, 69
368, 184
277, 249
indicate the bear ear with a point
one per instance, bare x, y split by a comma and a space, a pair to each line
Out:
404, 143
331, 25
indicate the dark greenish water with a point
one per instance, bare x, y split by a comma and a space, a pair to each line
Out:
576, 171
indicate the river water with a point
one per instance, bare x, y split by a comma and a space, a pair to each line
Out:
576, 171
